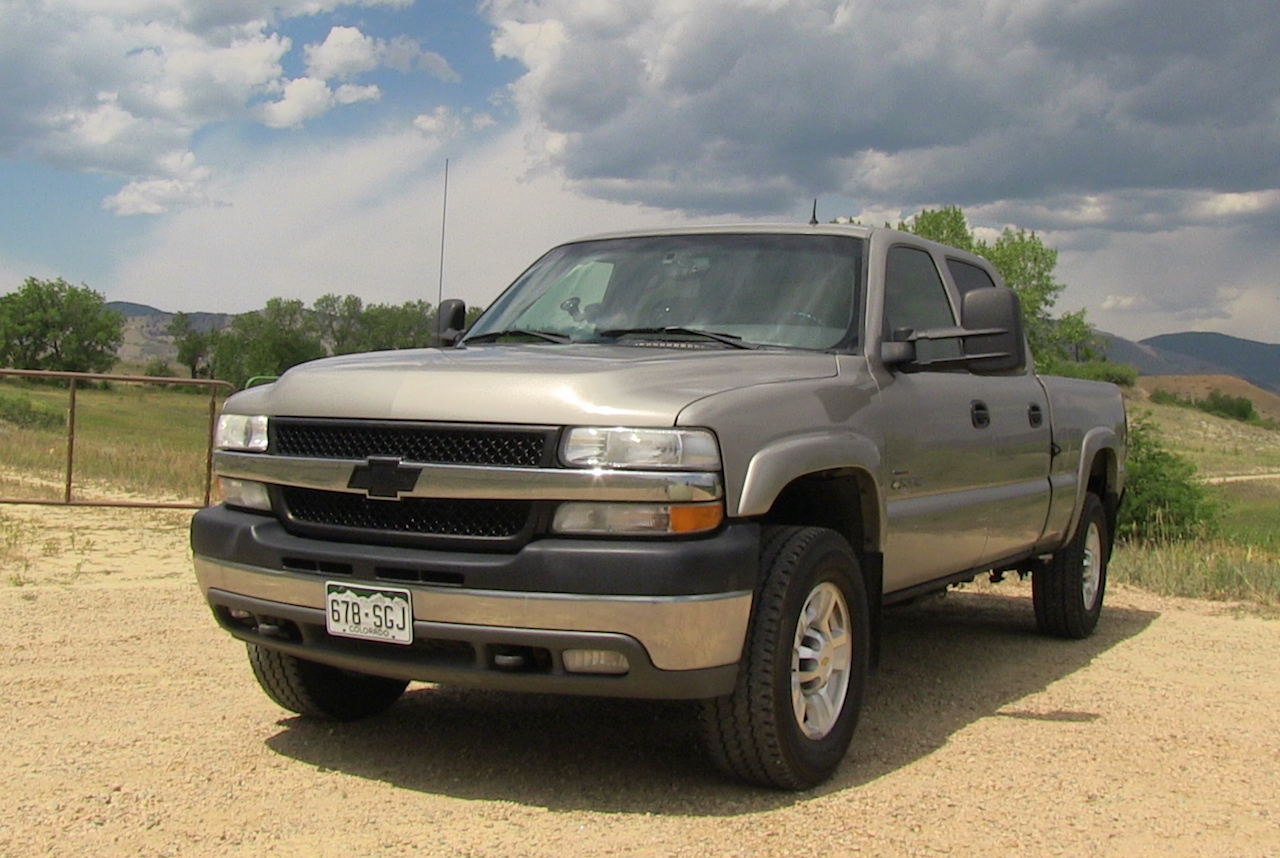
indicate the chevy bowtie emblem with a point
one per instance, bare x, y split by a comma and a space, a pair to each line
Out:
384, 477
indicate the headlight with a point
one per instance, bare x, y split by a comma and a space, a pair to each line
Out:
241, 432
620, 447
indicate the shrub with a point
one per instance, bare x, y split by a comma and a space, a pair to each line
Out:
22, 412
1164, 500
1096, 370
158, 367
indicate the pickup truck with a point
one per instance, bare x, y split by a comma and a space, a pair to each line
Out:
689, 464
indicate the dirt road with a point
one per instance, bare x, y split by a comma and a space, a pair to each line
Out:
132, 727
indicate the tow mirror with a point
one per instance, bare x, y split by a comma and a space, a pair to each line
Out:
451, 320
990, 338
997, 344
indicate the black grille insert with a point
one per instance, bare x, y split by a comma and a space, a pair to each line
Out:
490, 519
431, 443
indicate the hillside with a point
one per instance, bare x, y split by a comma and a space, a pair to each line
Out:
146, 330
1265, 402
1219, 447
1257, 362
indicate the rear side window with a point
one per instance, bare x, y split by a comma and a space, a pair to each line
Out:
967, 276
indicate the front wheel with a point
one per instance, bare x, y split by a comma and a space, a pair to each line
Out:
321, 691
790, 720
1067, 591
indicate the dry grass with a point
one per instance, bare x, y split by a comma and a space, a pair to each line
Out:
132, 443
1202, 569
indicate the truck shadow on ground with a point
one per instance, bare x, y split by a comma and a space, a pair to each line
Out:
946, 663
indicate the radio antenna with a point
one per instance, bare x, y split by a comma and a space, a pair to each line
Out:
444, 216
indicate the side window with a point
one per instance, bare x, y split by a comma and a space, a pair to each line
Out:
914, 298
968, 277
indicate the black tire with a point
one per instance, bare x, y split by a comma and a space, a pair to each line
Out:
321, 691
756, 733
1068, 590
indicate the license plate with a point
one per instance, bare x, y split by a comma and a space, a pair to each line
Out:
368, 613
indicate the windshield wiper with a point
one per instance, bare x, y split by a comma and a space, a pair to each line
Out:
492, 336
728, 339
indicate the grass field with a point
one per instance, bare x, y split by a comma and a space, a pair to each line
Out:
133, 442
1242, 562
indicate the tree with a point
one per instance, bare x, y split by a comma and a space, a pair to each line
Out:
195, 348
1027, 267
340, 322
407, 326
266, 342
52, 325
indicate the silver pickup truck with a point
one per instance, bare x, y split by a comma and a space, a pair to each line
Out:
687, 464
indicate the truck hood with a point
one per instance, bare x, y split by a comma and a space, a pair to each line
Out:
533, 384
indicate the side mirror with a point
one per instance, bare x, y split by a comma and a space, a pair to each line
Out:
998, 346
451, 320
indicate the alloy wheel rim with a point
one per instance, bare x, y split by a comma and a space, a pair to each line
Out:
1091, 567
821, 659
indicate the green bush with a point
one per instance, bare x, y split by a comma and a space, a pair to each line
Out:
1095, 370
158, 367
22, 412
1218, 404
1164, 499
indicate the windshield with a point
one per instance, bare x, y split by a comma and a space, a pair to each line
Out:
799, 291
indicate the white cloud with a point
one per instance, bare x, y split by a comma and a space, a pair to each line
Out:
371, 227
443, 122
125, 86
345, 53
155, 196
304, 98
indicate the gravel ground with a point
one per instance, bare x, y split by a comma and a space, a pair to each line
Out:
132, 726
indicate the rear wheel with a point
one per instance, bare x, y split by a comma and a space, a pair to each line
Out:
319, 690
1068, 590
791, 718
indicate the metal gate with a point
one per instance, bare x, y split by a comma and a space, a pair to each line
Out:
73, 379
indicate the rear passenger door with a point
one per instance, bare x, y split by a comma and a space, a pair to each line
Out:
1017, 481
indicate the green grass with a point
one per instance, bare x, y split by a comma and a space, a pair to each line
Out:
1242, 563
137, 442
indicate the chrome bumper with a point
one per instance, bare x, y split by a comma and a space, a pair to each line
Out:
679, 633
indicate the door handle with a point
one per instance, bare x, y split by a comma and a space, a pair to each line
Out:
1035, 414
980, 414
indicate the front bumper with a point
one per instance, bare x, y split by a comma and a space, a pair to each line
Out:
677, 610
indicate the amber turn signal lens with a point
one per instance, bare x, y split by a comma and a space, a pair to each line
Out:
695, 519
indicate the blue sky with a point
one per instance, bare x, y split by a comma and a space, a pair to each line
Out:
211, 154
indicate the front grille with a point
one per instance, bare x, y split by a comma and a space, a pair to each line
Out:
482, 519
431, 443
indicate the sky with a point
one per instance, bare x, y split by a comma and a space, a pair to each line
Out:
207, 155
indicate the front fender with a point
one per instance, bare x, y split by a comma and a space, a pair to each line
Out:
775, 466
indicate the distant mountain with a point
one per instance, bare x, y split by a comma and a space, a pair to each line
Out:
146, 330
129, 310
1198, 354
1247, 359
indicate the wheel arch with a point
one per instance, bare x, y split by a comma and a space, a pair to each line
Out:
1100, 474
